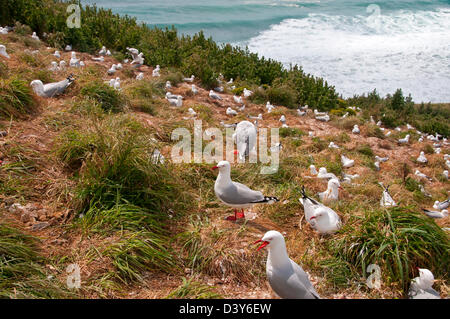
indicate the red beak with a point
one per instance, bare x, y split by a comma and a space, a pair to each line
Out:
215, 167
236, 152
312, 218
340, 187
264, 244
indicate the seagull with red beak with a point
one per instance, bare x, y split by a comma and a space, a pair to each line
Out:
236, 194
332, 192
422, 287
287, 279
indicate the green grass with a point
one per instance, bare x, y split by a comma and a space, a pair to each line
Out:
190, 289
397, 240
108, 98
15, 99
22, 272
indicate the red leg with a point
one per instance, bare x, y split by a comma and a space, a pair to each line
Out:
232, 218
241, 214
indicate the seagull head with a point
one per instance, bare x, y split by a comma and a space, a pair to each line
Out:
222, 166
426, 278
271, 239
334, 184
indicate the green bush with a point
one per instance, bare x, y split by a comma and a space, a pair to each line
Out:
15, 98
108, 98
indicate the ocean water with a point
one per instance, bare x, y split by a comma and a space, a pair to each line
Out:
356, 45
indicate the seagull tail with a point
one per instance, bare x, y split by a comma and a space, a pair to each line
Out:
267, 199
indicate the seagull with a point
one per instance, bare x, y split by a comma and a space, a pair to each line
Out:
377, 165
238, 100
230, 82
3, 51
445, 174
231, 112
287, 279
379, 123
229, 125
119, 66
381, 159
178, 102
447, 163
317, 113
323, 174
404, 140
140, 76
99, 59
139, 60
57, 54
108, 53
102, 51
214, 95
347, 178
320, 217
194, 89
282, 119
242, 108
172, 96
332, 192
68, 48
219, 89
259, 117
388, 133
442, 205
35, 37
247, 93
112, 70
51, 89
168, 85
301, 113
324, 118
371, 119
386, 198
74, 62
190, 80
332, 145
134, 52
192, 112
356, 129
117, 84
423, 191
54, 66
346, 162
245, 137
421, 287
235, 194
304, 108
62, 64
398, 129
422, 159
436, 214
313, 170
422, 175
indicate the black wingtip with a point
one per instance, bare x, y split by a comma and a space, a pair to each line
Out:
267, 199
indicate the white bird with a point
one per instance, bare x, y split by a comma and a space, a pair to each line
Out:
117, 84
437, 150
168, 85
381, 159
62, 64
287, 279
194, 89
304, 108
346, 162
192, 112
447, 163
119, 66
377, 165
102, 51
422, 287
242, 108
214, 95
219, 89
235, 194
68, 48
331, 194
238, 100
133, 52
74, 62
112, 70
398, 129
191, 79
445, 174
320, 217
51, 89
345, 115
54, 66
311, 134
259, 117
282, 119
379, 123
108, 53
35, 37
371, 119
3, 51
313, 170
356, 129
422, 175
420, 140
245, 137
404, 140
324, 118
230, 82
422, 159
112, 82
386, 198
228, 125
57, 54
332, 145
178, 102
140, 76
247, 93
231, 112
98, 59
3, 30
301, 113
423, 191
317, 113
442, 205
171, 96
388, 133
348, 178
436, 214
139, 61
323, 174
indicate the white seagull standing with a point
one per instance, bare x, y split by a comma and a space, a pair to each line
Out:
386, 198
287, 279
356, 129
236, 194
422, 159
247, 93
194, 89
140, 76
346, 162
74, 62
245, 137
404, 140
238, 100
35, 37
332, 192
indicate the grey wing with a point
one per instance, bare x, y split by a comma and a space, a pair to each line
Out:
303, 277
290, 286
238, 194
53, 89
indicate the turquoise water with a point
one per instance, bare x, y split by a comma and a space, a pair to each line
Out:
356, 45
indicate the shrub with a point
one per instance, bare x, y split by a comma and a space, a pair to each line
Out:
15, 98
108, 98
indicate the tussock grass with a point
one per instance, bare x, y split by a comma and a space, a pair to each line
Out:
190, 289
398, 240
108, 98
22, 274
16, 99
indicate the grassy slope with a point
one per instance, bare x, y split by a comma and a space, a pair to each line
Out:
72, 156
